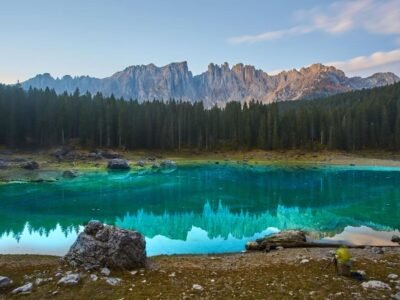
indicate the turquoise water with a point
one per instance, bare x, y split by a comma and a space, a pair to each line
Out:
199, 209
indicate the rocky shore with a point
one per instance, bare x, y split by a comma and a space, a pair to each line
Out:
67, 162
296, 273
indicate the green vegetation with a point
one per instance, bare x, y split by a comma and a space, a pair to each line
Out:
367, 119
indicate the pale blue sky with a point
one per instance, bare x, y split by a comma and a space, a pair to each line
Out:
98, 38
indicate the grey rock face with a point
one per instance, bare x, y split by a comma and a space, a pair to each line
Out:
107, 246
25, 289
118, 164
5, 281
216, 86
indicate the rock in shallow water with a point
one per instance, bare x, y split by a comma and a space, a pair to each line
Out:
107, 246
5, 281
69, 174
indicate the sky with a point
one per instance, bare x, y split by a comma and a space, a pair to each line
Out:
100, 37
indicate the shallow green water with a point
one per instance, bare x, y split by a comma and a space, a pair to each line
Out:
199, 209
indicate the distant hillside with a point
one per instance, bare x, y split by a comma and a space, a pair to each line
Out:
218, 85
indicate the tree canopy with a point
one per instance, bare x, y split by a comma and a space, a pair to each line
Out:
366, 119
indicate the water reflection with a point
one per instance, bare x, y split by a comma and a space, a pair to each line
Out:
199, 209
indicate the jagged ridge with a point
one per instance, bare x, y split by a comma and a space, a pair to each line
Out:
218, 85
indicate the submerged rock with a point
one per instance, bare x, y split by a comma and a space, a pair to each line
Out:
141, 163
25, 289
166, 164
70, 279
5, 281
107, 246
30, 165
69, 174
118, 164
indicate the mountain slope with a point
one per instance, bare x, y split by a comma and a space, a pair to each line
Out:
217, 85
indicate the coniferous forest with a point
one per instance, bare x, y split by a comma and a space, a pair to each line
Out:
367, 119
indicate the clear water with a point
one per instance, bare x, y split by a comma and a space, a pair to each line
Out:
199, 209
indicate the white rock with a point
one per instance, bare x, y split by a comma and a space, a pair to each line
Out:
113, 280
393, 276
172, 274
25, 289
133, 273
70, 279
105, 271
304, 261
93, 277
5, 281
279, 248
362, 273
375, 284
197, 288
396, 296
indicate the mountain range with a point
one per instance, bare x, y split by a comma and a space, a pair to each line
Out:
218, 85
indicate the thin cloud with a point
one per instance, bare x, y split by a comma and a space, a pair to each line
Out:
372, 62
374, 16
270, 35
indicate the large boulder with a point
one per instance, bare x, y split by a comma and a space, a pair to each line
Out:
102, 245
286, 239
118, 164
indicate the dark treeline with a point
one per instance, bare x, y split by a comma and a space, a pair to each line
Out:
368, 119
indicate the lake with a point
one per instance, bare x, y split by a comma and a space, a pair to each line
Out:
200, 208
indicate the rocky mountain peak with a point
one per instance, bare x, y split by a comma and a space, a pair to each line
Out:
217, 85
